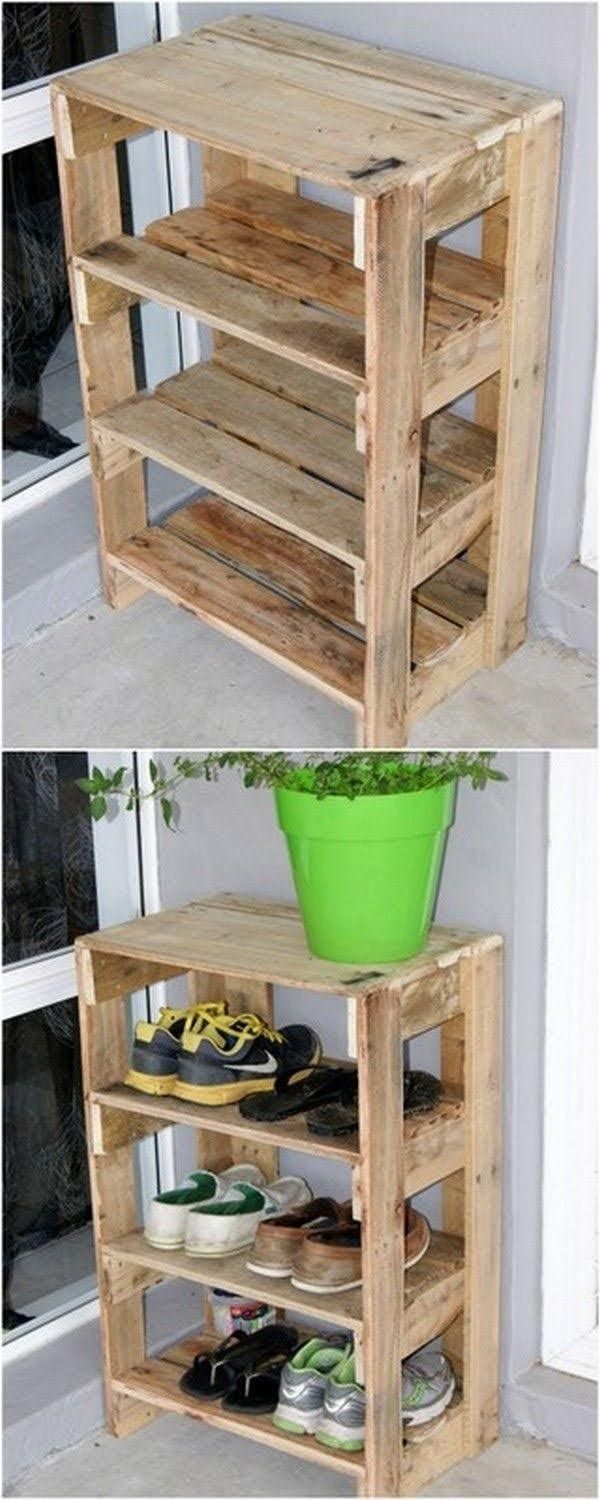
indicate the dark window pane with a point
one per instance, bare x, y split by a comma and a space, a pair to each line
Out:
43, 39
49, 877
48, 1248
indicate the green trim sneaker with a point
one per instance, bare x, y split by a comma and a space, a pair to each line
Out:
304, 1382
229, 1224
342, 1424
428, 1385
157, 1045
167, 1219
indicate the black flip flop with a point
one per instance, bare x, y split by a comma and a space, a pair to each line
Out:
213, 1374
257, 1391
319, 1086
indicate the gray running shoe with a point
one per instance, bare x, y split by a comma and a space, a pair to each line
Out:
427, 1387
342, 1424
303, 1384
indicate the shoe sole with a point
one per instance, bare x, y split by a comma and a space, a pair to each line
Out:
231, 1093
165, 1244
254, 1265
420, 1253
429, 1413
324, 1291
216, 1254
287, 1425
149, 1083
346, 1444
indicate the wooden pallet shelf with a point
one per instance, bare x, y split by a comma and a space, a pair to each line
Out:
238, 949
352, 332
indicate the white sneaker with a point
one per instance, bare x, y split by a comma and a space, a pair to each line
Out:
224, 1226
168, 1212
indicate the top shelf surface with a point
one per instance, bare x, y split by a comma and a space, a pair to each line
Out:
307, 102
236, 935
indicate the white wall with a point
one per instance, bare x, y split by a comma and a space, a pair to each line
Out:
552, 46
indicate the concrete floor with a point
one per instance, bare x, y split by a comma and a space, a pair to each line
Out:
174, 1457
154, 676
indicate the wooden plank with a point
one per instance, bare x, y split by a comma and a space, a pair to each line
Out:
249, 938
464, 279
113, 976
364, 58
304, 439
104, 1051
534, 176
481, 979
459, 446
318, 513
293, 382
225, 1121
432, 682
296, 569
434, 1144
86, 128
380, 1072
269, 319
259, 257
457, 592
298, 220
465, 189
343, 1309
444, 1447
460, 362
276, 628
408, 104
156, 1381
429, 999
91, 210
457, 524
394, 332
439, 1294
181, 86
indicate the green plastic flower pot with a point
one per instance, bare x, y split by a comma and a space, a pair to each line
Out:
366, 870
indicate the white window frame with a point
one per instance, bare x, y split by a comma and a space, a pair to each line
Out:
127, 885
156, 166
570, 1181
588, 550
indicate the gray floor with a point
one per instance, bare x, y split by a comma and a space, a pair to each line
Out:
154, 676
175, 1457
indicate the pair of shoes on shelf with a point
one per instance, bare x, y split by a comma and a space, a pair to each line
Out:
319, 1394
206, 1056
328, 1096
244, 1371
219, 1214
319, 1246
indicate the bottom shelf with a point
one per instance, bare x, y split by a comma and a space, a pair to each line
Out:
295, 605
156, 1382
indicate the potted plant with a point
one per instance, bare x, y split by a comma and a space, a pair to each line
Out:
366, 833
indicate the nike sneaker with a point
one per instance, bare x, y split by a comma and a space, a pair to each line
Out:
157, 1044
304, 1381
228, 1057
428, 1386
342, 1424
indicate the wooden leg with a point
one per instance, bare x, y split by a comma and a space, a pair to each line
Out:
394, 288
91, 208
471, 1198
487, 396
114, 1199
382, 1193
533, 170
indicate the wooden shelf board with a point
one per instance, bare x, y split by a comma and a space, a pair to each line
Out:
319, 340
433, 1289
286, 633
433, 1142
240, 936
156, 1381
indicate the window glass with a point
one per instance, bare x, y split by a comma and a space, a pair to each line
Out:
49, 875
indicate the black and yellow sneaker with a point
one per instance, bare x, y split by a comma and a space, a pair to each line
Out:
232, 1056
157, 1045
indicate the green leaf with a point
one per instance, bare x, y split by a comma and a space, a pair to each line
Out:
85, 784
98, 807
153, 768
167, 810
118, 776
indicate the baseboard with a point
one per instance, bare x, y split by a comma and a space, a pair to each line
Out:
553, 1407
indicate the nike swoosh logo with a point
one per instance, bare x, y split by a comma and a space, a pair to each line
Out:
270, 1066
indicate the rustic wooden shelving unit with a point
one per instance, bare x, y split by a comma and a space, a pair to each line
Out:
239, 948
355, 532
